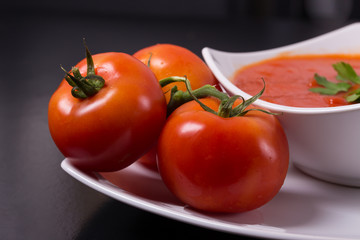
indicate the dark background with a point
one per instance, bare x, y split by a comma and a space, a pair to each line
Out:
38, 200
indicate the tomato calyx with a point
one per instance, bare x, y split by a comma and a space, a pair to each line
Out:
84, 87
178, 97
225, 110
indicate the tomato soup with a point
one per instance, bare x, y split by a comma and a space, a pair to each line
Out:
288, 79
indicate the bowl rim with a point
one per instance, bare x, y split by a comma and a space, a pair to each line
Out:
233, 89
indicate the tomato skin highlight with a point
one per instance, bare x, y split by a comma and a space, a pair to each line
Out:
222, 164
116, 126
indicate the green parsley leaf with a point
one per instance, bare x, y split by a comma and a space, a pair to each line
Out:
329, 88
346, 72
353, 96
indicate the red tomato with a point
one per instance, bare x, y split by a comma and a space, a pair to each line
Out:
149, 159
222, 164
111, 129
167, 60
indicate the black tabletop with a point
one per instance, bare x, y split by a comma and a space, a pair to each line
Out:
38, 200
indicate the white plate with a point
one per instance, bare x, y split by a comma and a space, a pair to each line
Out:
305, 208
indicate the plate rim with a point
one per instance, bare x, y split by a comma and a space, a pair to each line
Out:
126, 197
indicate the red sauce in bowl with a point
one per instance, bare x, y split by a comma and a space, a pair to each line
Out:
288, 79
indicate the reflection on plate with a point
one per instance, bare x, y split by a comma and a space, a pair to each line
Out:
305, 208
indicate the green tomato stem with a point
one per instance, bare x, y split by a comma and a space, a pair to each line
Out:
178, 97
225, 110
225, 107
84, 87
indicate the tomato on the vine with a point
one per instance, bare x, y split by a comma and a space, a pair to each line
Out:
167, 60
222, 164
107, 112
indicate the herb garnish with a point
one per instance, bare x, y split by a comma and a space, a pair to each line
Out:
347, 77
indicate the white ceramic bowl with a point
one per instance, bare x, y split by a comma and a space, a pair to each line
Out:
324, 142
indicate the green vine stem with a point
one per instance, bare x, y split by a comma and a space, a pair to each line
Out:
225, 109
178, 97
84, 87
